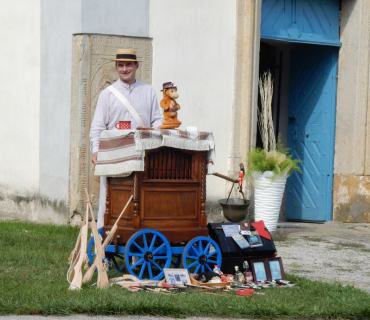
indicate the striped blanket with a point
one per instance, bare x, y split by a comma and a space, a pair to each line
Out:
123, 151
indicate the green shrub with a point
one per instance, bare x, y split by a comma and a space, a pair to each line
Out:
279, 161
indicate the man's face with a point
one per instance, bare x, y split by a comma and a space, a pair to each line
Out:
127, 71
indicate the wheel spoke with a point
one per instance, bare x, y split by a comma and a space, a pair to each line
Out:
152, 244
142, 270
192, 264
211, 254
192, 257
209, 267
197, 268
200, 247
150, 271
202, 268
145, 243
207, 247
134, 254
159, 248
138, 263
195, 250
211, 261
137, 246
156, 264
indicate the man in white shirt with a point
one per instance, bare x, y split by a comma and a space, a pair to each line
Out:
110, 110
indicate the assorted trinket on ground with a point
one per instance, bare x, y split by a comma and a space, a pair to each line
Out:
257, 273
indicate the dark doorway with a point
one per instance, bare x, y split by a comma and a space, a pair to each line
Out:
303, 111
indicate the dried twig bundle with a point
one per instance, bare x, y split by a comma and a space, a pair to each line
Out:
265, 123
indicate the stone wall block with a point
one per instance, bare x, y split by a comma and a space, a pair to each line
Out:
351, 198
352, 150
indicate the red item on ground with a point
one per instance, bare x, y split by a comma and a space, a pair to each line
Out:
245, 292
227, 278
260, 228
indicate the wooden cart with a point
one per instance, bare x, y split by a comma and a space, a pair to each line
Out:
166, 224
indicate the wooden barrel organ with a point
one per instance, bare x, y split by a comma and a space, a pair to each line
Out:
169, 196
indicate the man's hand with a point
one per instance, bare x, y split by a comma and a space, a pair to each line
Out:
94, 158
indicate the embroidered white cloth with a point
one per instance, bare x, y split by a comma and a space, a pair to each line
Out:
123, 151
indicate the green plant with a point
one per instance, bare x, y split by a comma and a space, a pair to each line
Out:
279, 161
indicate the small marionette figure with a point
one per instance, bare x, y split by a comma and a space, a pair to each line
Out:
217, 270
170, 106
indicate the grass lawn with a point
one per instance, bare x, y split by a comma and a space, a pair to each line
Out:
34, 263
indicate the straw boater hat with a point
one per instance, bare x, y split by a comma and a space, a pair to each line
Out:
125, 55
168, 85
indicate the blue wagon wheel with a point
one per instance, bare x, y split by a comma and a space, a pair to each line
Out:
116, 260
201, 254
91, 251
91, 247
147, 253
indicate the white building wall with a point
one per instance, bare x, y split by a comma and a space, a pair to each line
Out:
19, 100
116, 17
194, 47
35, 103
59, 20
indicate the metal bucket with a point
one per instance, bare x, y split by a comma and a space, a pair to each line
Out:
235, 210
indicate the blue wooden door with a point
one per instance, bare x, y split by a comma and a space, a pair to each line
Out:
312, 102
305, 21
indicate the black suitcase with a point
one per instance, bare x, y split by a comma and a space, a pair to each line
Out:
232, 254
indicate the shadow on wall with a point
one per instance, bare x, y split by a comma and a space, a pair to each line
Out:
347, 7
31, 206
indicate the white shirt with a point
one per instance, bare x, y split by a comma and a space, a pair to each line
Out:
109, 110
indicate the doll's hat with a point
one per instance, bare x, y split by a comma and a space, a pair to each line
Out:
125, 55
168, 85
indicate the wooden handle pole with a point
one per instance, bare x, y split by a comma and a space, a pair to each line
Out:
225, 177
89, 273
123, 210
103, 280
76, 272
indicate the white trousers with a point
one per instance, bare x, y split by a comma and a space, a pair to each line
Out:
102, 199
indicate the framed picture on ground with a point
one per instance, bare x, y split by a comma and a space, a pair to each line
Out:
276, 269
259, 270
177, 276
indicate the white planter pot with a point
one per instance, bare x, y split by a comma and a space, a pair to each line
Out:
268, 194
